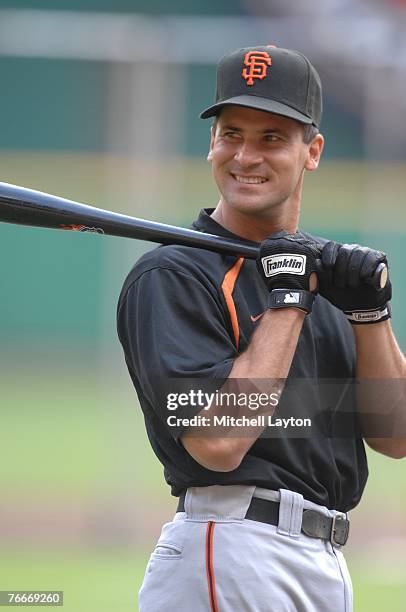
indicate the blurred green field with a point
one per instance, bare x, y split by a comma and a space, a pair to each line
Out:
92, 581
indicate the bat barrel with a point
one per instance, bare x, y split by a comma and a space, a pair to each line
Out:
23, 206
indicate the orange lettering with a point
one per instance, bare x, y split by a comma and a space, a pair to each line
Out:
257, 63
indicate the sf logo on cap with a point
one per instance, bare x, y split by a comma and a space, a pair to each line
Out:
257, 62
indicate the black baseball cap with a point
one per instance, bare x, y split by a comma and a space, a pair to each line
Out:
269, 78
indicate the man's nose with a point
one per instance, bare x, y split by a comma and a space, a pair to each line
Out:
248, 155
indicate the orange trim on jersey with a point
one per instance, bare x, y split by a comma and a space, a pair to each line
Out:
228, 288
211, 583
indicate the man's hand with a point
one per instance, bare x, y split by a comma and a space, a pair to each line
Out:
286, 263
344, 272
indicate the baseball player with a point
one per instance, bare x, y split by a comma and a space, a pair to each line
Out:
263, 509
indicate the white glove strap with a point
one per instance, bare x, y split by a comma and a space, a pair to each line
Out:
362, 317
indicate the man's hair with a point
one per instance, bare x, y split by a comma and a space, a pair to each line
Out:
309, 131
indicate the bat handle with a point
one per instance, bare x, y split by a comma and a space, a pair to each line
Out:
378, 280
380, 277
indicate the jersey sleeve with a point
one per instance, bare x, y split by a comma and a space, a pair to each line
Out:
174, 334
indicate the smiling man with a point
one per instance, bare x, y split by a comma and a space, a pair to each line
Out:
263, 501
258, 161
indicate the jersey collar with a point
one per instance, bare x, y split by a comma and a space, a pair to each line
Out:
205, 223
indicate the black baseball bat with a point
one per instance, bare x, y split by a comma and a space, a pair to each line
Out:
23, 206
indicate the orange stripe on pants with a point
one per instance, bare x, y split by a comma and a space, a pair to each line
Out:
211, 582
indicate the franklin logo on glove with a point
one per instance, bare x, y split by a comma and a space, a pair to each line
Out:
286, 263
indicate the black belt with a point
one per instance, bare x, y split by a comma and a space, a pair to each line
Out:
314, 524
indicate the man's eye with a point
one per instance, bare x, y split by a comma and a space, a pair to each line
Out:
271, 137
231, 134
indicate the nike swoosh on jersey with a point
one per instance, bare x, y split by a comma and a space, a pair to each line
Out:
253, 319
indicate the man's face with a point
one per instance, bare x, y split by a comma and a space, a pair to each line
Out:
258, 159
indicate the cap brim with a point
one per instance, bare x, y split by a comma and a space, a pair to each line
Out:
263, 104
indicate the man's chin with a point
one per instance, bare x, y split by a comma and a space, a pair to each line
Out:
253, 208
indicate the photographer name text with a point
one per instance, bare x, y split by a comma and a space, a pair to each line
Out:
243, 421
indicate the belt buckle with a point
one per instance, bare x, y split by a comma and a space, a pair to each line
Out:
337, 519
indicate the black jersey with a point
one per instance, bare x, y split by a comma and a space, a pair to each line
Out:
188, 312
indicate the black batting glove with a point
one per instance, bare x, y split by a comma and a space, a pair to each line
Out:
285, 264
346, 280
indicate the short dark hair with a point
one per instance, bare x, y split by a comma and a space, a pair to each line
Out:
309, 132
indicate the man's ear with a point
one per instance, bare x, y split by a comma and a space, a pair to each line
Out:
315, 150
212, 135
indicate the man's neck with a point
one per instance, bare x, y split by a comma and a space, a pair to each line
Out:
254, 228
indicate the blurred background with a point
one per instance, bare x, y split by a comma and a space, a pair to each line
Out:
99, 103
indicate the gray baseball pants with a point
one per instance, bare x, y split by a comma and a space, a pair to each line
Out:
211, 559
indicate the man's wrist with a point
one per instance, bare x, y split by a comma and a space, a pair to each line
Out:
291, 298
368, 317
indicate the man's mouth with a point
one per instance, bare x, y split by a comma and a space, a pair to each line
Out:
249, 180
